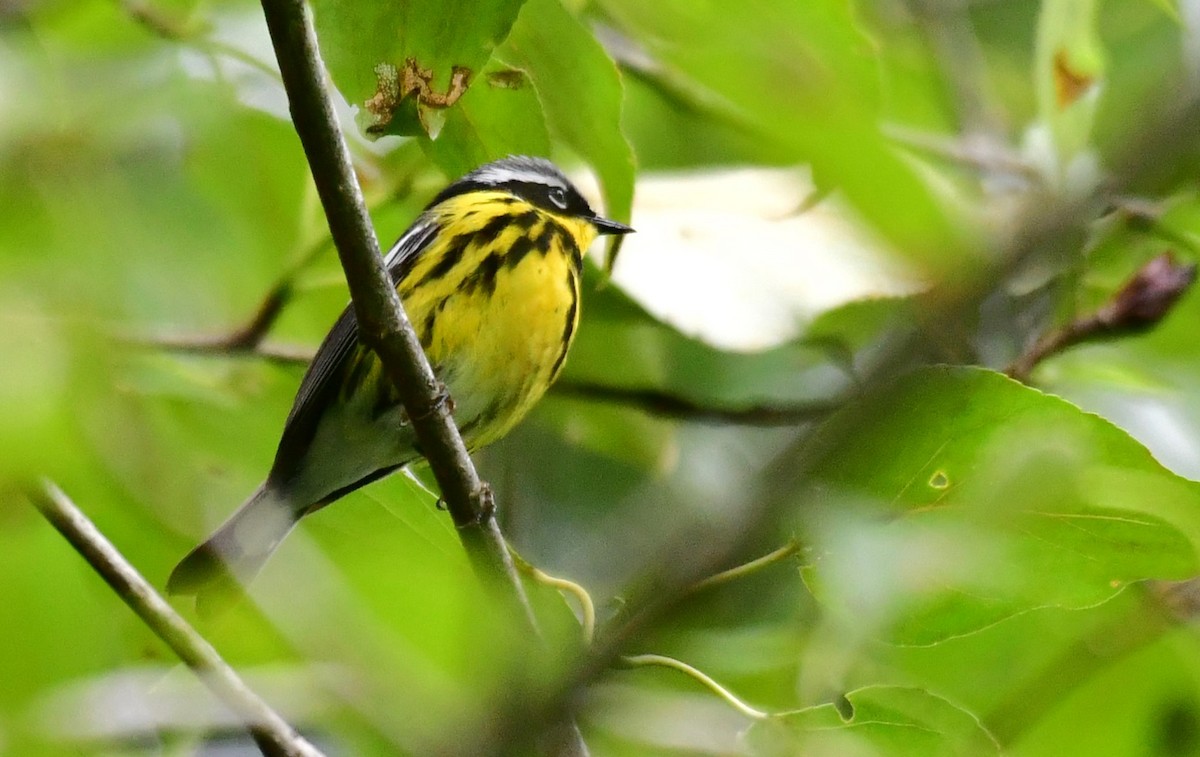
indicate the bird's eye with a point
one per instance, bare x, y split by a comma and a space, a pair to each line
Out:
558, 196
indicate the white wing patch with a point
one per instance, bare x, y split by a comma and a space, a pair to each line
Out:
405, 244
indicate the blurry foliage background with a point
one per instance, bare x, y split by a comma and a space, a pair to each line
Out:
831, 195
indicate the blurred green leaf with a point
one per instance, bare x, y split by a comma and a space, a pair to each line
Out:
1153, 688
805, 76
581, 94
608, 430
986, 488
853, 334
877, 721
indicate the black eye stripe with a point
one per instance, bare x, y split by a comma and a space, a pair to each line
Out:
552, 197
534, 192
557, 196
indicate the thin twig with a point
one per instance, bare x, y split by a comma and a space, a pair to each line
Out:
1144, 300
220, 345
273, 734
981, 153
668, 405
277, 298
246, 339
652, 401
255, 330
168, 27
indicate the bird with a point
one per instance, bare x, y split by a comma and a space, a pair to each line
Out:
489, 275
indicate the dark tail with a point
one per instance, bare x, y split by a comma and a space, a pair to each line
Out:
217, 569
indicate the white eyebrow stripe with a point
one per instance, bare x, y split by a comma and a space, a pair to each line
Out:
502, 174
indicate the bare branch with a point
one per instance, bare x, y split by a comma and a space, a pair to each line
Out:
272, 733
222, 345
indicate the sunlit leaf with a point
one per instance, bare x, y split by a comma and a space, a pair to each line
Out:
797, 255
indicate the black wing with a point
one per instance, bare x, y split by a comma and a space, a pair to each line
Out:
320, 383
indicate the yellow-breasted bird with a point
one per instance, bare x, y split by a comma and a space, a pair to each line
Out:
489, 275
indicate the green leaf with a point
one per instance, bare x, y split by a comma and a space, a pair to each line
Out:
877, 720
613, 432
356, 38
1153, 687
581, 94
1169, 9
958, 498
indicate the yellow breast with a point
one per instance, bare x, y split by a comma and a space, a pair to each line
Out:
495, 300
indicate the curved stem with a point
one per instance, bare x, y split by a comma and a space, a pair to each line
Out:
587, 608
733, 574
643, 660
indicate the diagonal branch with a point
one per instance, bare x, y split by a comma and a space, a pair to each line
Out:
272, 733
383, 325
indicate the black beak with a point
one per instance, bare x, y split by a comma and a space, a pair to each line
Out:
605, 226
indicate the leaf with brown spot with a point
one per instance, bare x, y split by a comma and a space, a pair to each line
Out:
489, 122
416, 82
408, 61
508, 78
1070, 83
